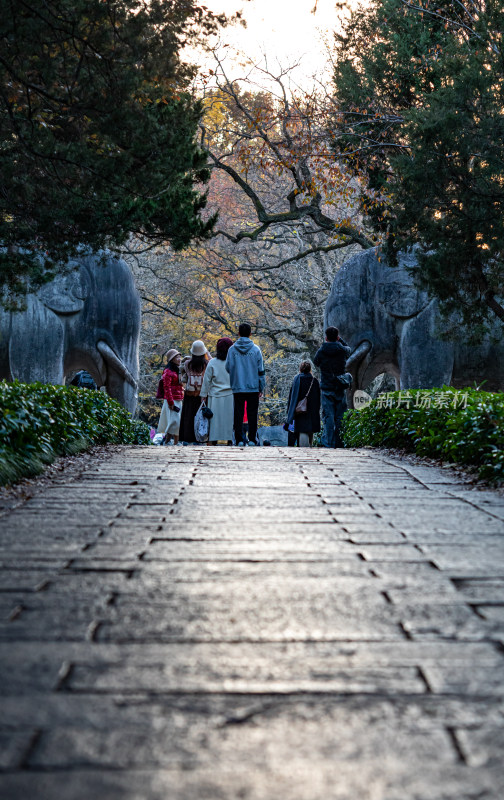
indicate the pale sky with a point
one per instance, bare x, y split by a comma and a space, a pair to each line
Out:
284, 29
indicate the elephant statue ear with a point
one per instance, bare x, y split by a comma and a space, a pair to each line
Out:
398, 294
66, 293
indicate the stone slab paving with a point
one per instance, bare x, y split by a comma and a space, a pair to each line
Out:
268, 624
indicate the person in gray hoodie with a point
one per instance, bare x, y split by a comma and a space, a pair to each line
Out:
246, 373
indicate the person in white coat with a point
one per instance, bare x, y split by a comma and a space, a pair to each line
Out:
217, 390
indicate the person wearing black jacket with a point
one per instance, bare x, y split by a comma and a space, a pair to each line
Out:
331, 359
305, 425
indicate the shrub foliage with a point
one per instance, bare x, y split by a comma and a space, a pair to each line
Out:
39, 422
464, 426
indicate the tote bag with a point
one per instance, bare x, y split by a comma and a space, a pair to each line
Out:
201, 425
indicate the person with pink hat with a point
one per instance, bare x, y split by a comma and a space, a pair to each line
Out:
169, 421
192, 374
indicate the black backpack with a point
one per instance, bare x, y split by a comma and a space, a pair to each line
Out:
83, 380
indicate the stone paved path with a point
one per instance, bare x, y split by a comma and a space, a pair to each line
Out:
270, 624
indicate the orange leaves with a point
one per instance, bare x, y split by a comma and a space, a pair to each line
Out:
273, 160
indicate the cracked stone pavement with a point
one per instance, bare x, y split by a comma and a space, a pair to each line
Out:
260, 624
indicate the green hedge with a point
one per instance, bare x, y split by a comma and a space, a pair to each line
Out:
464, 426
39, 422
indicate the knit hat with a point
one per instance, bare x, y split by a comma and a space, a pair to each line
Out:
171, 354
224, 344
198, 348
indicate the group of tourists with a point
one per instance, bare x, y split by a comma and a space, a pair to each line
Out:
231, 384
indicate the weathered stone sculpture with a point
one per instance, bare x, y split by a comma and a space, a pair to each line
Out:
87, 319
393, 327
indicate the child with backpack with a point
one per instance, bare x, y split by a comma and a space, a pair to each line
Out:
192, 374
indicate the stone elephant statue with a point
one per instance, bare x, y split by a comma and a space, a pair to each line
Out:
394, 327
88, 318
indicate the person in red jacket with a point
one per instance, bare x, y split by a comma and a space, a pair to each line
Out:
169, 421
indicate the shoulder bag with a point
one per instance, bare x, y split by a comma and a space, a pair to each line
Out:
302, 406
345, 380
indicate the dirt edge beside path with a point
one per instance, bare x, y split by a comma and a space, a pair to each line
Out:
64, 468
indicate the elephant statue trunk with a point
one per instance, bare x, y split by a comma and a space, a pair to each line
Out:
356, 364
114, 362
357, 355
